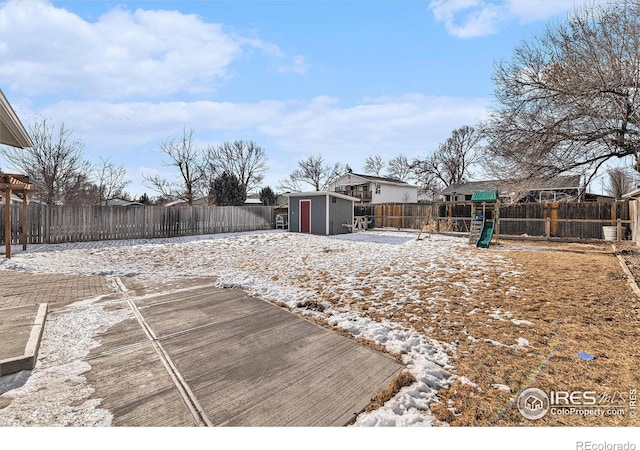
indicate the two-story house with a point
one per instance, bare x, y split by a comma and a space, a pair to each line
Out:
374, 189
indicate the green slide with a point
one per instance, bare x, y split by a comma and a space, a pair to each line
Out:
487, 233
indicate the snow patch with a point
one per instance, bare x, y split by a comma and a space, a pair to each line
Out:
502, 387
383, 270
56, 393
521, 322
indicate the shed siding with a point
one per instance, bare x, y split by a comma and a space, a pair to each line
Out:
294, 211
318, 214
340, 212
318, 217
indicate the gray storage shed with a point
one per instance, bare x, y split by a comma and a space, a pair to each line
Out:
321, 212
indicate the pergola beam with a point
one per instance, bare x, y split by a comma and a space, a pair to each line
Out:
7, 222
9, 184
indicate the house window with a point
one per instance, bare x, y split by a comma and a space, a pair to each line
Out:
378, 189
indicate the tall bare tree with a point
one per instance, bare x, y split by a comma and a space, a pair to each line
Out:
185, 156
399, 168
312, 171
373, 165
246, 160
55, 163
619, 182
569, 100
110, 180
452, 162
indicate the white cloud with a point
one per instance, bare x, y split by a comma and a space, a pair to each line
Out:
297, 65
123, 54
130, 132
530, 11
468, 18
477, 18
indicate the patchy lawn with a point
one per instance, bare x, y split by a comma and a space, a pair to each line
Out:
474, 326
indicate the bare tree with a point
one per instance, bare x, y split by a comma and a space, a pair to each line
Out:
399, 168
451, 162
314, 172
569, 99
184, 155
373, 165
55, 163
110, 180
620, 181
246, 160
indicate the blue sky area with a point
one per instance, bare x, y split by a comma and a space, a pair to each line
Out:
344, 79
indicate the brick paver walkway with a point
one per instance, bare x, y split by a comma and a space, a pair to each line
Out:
24, 288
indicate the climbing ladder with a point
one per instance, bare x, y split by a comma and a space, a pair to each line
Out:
475, 231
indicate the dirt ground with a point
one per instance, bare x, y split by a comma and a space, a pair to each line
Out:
575, 298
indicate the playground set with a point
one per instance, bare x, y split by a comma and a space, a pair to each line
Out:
483, 225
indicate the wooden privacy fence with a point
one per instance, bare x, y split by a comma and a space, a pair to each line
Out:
78, 223
577, 220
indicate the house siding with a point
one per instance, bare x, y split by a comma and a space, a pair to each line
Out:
394, 194
389, 192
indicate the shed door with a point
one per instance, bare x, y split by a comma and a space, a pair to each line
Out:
305, 216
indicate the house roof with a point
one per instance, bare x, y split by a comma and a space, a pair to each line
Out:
120, 202
561, 182
12, 131
181, 202
321, 193
371, 179
382, 179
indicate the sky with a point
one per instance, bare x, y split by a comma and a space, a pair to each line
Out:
340, 79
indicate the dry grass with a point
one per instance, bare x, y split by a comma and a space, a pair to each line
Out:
400, 380
573, 297
577, 299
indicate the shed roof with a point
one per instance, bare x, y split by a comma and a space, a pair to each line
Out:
321, 193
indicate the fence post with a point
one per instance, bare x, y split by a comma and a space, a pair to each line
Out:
547, 227
619, 230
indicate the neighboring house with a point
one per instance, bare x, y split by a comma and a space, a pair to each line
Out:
253, 200
562, 188
372, 189
16, 199
120, 202
202, 201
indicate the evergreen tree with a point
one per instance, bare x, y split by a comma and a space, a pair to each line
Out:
144, 199
267, 196
227, 190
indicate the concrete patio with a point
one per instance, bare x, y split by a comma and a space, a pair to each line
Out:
190, 353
